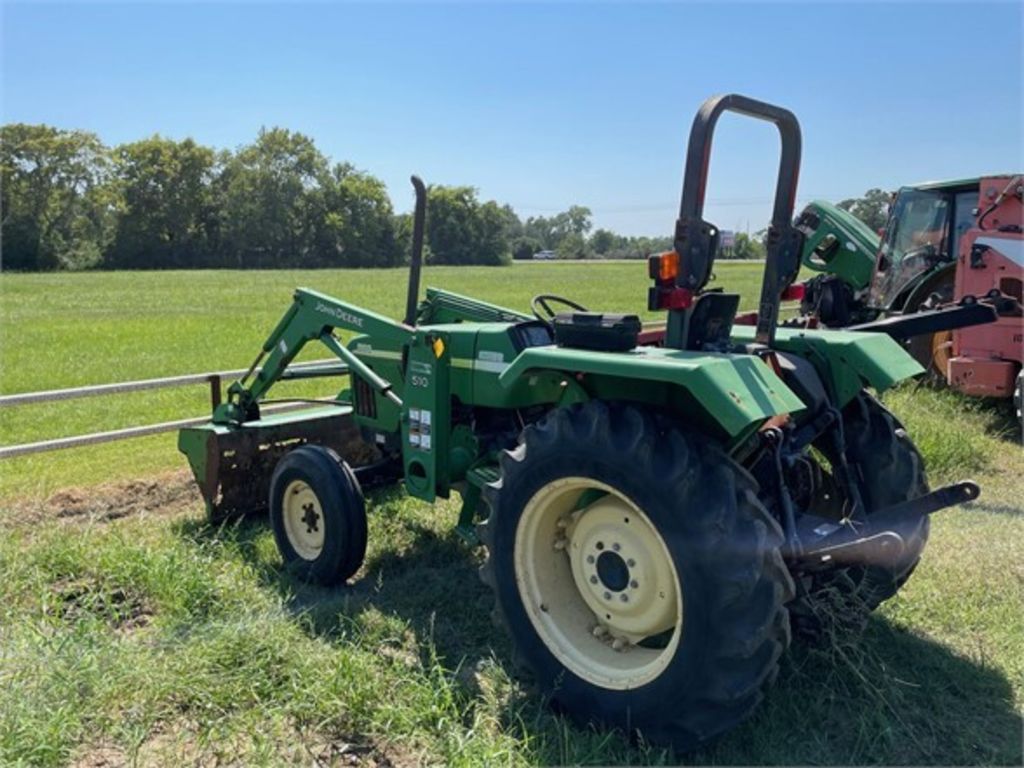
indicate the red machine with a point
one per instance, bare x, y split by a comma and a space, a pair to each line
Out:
986, 359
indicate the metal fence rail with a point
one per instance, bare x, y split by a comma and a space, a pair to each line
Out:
213, 379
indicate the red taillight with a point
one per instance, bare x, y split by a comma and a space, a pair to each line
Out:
795, 292
663, 269
669, 298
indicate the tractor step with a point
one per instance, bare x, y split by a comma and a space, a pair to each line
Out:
477, 479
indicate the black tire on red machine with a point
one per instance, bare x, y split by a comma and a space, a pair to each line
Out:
638, 574
933, 350
893, 471
318, 515
1018, 401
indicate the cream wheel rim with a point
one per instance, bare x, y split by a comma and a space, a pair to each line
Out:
303, 520
598, 583
942, 351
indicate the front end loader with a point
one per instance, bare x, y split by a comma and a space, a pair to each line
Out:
662, 508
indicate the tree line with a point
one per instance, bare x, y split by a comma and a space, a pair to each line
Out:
68, 202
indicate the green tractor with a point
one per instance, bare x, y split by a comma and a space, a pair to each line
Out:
662, 506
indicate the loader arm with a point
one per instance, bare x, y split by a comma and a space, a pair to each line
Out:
312, 316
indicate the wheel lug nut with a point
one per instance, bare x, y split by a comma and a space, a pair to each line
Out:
631, 563
618, 644
593, 579
560, 544
616, 547
607, 595
624, 597
590, 559
634, 584
600, 631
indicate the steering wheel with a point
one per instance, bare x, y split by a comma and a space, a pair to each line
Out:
927, 253
542, 309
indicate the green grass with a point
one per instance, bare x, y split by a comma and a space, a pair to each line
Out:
93, 328
131, 631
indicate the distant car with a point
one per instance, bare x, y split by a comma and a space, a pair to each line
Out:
544, 255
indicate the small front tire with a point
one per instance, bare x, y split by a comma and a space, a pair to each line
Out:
318, 515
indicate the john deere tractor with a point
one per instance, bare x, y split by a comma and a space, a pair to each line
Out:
661, 506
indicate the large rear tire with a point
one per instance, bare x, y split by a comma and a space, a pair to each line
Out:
892, 471
638, 574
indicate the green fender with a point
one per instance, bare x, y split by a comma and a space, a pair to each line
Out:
736, 392
847, 361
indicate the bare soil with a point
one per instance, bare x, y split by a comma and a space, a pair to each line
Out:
164, 495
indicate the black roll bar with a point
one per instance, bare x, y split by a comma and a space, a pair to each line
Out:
696, 240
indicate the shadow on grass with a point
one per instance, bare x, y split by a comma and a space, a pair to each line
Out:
432, 585
887, 697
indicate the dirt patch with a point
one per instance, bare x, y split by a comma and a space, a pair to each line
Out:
340, 752
182, 744
164, 495
125, 609
101, 756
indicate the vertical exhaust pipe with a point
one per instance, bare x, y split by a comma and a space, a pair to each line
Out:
418, 222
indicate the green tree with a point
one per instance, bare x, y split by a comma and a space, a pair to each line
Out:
552, 231
523, 248
745, 247
359, 226
575, 221
56, 203
573, 245
462, 230
872, 208
273, 203
168, 213
541, 229
603, 241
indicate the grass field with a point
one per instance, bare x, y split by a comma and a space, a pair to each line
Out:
131, 631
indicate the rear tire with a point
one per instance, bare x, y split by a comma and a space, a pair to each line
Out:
318, 515
893, 471
600, 506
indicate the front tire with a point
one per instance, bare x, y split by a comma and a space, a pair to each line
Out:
318, 515
638, 574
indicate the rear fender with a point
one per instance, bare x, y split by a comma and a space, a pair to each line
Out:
847, 361
735, 393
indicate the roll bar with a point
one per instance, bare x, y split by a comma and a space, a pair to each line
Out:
696, 240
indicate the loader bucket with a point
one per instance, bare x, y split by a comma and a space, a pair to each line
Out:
233, 464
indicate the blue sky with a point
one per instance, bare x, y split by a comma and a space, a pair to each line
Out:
545, 105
